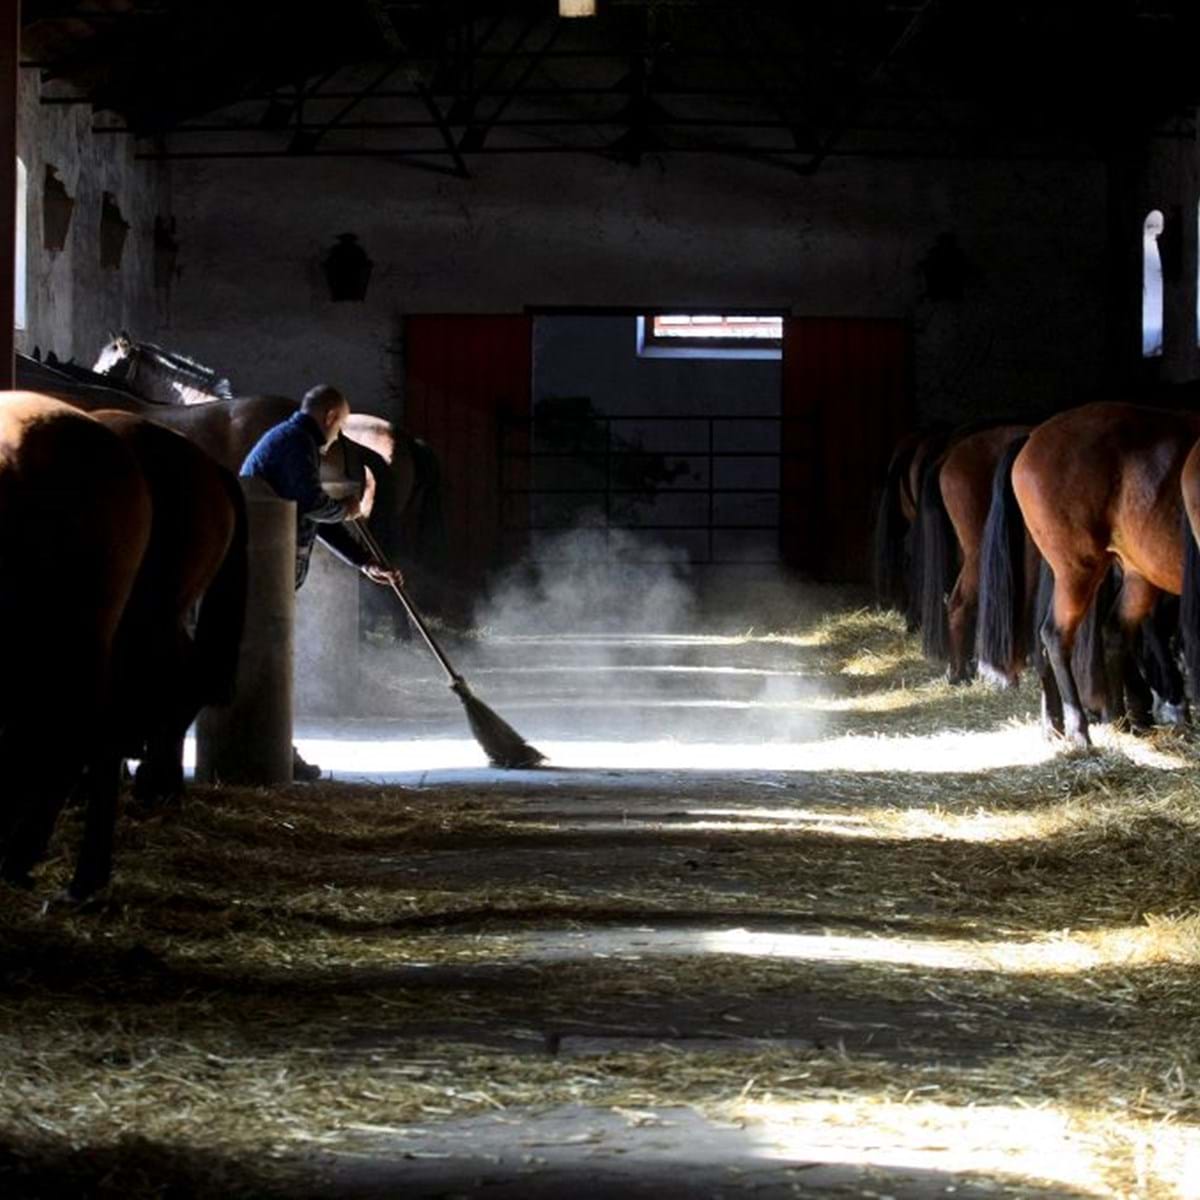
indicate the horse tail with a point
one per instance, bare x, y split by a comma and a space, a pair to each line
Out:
936, 550
1189, 608
1002, 633
222, 618
889, 556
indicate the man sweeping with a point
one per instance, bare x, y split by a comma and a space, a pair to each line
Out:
288, 458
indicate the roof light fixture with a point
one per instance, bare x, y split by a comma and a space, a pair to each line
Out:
576, 8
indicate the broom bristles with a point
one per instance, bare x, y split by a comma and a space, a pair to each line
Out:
503, 745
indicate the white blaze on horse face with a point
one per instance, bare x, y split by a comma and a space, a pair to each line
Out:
115, 352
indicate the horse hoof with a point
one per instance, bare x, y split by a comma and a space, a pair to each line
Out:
1173, 715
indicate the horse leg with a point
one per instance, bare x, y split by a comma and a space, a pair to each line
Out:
1073, 592
1157, 659
159, 778
1134, 605
1052, 706
963, 608
37, 781
1095, 660
93, 867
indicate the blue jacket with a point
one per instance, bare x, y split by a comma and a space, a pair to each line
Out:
288, 457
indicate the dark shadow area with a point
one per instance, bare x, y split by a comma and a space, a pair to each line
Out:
44, 1168
562, 986
656, 859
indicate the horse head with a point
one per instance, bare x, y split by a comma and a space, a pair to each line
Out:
119, 349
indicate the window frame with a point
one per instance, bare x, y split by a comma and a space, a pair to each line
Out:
1153, 302
651, 346
21, 255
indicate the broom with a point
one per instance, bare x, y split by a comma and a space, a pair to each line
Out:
503, 745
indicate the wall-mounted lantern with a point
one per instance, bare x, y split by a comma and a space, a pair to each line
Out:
576, 8
347, 269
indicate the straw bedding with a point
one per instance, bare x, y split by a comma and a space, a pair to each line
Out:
280, 972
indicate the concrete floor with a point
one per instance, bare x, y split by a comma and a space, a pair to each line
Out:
649, 735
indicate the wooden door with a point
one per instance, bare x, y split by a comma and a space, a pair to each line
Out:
846, 401
466, 378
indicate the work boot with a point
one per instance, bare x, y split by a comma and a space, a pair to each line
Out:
303, 772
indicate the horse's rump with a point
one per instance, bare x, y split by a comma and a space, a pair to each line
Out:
198, 539
1104, 480
75, 522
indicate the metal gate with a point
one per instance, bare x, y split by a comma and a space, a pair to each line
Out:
712, 487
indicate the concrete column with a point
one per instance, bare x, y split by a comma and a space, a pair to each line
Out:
327, 639
250, 741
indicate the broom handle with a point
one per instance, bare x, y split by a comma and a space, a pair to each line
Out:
376, 552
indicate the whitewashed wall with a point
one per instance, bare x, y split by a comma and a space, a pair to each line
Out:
71, 300
1030, 330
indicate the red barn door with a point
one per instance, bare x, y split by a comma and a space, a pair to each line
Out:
846, 401
464, 376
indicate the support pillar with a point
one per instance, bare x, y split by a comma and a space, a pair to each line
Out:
250, 740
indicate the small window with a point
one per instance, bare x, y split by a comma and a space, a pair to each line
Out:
19, 292
710, 335
1152, 285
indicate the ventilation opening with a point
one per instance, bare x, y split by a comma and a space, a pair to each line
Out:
1152, 285
113, 231
57, 207
19, 290
717, 335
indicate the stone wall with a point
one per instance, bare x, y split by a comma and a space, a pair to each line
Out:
1029, 330
73, 300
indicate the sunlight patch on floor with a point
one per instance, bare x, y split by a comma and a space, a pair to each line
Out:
380, 749
1143, 751
1028, 1144
1060, 955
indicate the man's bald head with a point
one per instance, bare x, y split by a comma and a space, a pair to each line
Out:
322, 399
329, 408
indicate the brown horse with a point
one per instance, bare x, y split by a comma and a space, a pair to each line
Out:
404, 480
75, 522
1095, 486
400, 471
196, 555
1189, 616
894, 575
955, 499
